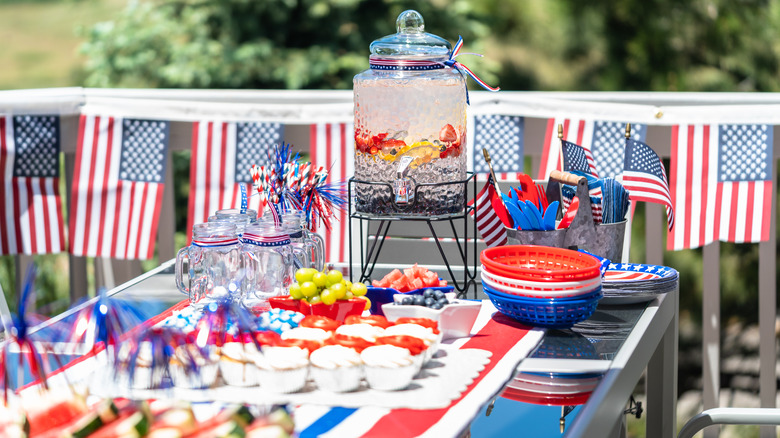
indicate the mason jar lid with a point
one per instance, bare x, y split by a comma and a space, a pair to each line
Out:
411, 39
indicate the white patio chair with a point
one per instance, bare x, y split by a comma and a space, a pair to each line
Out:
749, 416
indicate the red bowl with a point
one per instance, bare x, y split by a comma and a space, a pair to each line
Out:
285, 303
338, 310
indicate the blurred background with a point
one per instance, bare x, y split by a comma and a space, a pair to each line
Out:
551, 45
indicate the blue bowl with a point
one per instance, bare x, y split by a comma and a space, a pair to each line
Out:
384, 295
547, 313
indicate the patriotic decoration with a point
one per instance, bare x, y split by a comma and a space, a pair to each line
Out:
607, 145
644, 176
222, 156
488, 223
502, 136
721, 185
118, 187
332, 146
605, 141
577, 159
30, 202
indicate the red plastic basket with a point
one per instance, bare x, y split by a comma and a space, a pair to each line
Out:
540, 263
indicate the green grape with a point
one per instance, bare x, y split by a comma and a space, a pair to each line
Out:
304, 274
338, 290
295, 291
319, 279
335, 276
328, 297
309, 289
359, 289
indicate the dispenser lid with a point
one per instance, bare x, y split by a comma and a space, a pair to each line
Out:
411, 39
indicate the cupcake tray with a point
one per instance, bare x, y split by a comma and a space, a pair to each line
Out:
441, 380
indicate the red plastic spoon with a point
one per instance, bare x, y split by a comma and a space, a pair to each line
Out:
570, 213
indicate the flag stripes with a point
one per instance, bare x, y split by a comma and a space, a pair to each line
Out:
30, 202
332, 146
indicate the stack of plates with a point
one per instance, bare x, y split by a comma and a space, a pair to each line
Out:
541, 286
552, 389
628, 283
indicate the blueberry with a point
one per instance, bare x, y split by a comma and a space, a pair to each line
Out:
428, 293
443, 301
436, 306
438, 294
419, 300
429, 302
407, 301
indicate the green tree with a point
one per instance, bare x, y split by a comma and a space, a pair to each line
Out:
254, 44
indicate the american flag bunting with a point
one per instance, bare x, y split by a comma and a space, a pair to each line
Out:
332, 146
118, 185
721, 184
222, 155
30, 202
503, 137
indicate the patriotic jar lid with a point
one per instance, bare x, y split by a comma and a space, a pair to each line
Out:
410, 40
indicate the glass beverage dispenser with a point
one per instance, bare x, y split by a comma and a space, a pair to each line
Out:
410, 125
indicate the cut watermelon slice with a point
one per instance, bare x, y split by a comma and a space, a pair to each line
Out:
53, 410
393, 276
131, 424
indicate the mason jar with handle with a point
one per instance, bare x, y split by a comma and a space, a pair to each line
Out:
269, 264
214, 264
313, 243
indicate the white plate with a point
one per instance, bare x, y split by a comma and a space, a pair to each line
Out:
539, 294
539, 285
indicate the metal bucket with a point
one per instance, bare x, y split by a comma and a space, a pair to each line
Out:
605, 240
554, 238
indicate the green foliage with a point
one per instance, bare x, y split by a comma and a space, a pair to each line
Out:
252, 44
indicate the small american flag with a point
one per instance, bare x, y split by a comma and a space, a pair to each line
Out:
332, 146
577, 159
222, 155
488, 223
605, 140
721, 184
118, 185
503, 137
644, 177
30, 203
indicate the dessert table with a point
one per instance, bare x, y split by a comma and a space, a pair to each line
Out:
646, 340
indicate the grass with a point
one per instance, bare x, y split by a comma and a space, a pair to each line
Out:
41, 40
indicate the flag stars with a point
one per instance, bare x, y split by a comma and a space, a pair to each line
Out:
144, 147
503, 136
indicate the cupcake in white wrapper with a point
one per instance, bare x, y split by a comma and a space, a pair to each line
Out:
430, 338
144, 376
237, 364
307, 333
191, 367
387, 367
336, 368
283, 369
366, 331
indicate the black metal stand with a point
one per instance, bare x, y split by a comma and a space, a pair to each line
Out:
368, 260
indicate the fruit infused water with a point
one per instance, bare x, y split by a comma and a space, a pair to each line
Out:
410, 125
